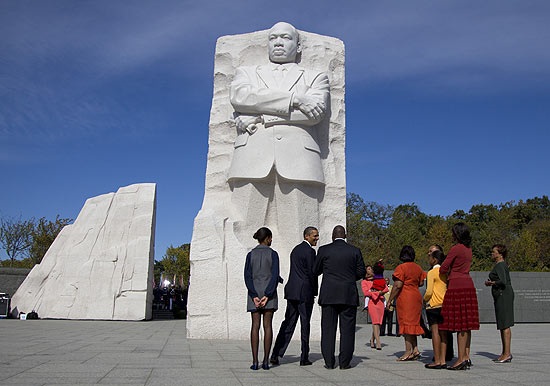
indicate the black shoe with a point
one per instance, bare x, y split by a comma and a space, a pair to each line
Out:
381, 334
390, 334
460, 366
254, 367
305, 363
469, 363
265, 366
348, 366
329, 367
433, 367
274, 361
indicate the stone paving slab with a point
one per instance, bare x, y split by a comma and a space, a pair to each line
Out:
58, 352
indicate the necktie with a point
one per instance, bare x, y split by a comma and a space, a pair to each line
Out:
278, 74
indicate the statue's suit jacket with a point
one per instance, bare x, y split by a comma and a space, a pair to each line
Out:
287, 139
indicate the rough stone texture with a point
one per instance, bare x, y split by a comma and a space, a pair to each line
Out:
101, 266
217, 295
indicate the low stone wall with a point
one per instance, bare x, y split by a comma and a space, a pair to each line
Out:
531, 304
11, 279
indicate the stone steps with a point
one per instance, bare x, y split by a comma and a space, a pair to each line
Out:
163, 315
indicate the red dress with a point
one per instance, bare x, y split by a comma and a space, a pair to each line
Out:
460, 310
409, 300
376, 303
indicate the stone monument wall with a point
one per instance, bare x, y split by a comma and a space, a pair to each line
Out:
217, 294
101, 266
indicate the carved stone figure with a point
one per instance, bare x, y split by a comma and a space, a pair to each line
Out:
277, 108
100, 267
276, 173
275, 159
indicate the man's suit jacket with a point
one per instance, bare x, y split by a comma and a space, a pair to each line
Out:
302, 280
286, 134
341, 265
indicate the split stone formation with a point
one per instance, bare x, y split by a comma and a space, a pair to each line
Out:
270, 163
101, 266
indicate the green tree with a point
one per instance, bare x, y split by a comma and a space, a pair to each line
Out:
176, 262
524, 253
158, 270
16, 237
366, 223
44, 234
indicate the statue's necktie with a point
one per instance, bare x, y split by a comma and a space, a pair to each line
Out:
279, 74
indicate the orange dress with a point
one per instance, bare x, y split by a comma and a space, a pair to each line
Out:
409, 300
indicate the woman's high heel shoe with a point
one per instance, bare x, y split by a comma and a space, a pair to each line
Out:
505, 360
254, 366
460, 366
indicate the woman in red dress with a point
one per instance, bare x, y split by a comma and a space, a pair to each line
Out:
407, 277
460, 310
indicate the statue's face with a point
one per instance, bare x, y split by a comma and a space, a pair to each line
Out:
283, 43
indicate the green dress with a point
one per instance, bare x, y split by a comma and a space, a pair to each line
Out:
503, 295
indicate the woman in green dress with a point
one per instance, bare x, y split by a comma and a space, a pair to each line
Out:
503, 295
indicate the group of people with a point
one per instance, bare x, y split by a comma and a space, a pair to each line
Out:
450, 300
165, 298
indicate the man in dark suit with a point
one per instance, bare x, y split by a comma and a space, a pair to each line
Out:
300, 291
341, 265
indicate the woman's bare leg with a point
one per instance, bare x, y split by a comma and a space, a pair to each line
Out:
506, 337
436, 345
376, 335
462, 342
442, 347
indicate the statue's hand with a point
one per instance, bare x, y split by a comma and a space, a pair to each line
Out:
312, 108
244, 121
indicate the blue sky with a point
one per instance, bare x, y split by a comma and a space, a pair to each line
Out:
447, 102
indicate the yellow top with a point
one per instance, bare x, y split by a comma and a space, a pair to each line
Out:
387, 294
435, 289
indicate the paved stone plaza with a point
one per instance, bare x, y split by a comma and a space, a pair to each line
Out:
53, 352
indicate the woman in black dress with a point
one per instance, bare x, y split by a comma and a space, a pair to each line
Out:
261, 276
503, 295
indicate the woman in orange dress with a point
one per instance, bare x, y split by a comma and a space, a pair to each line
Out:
407, 277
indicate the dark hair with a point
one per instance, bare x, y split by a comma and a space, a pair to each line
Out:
501, 248
407, 254
462, 234
378, 268
439, 247
439, 256
262, 234
339, 232
309, 230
